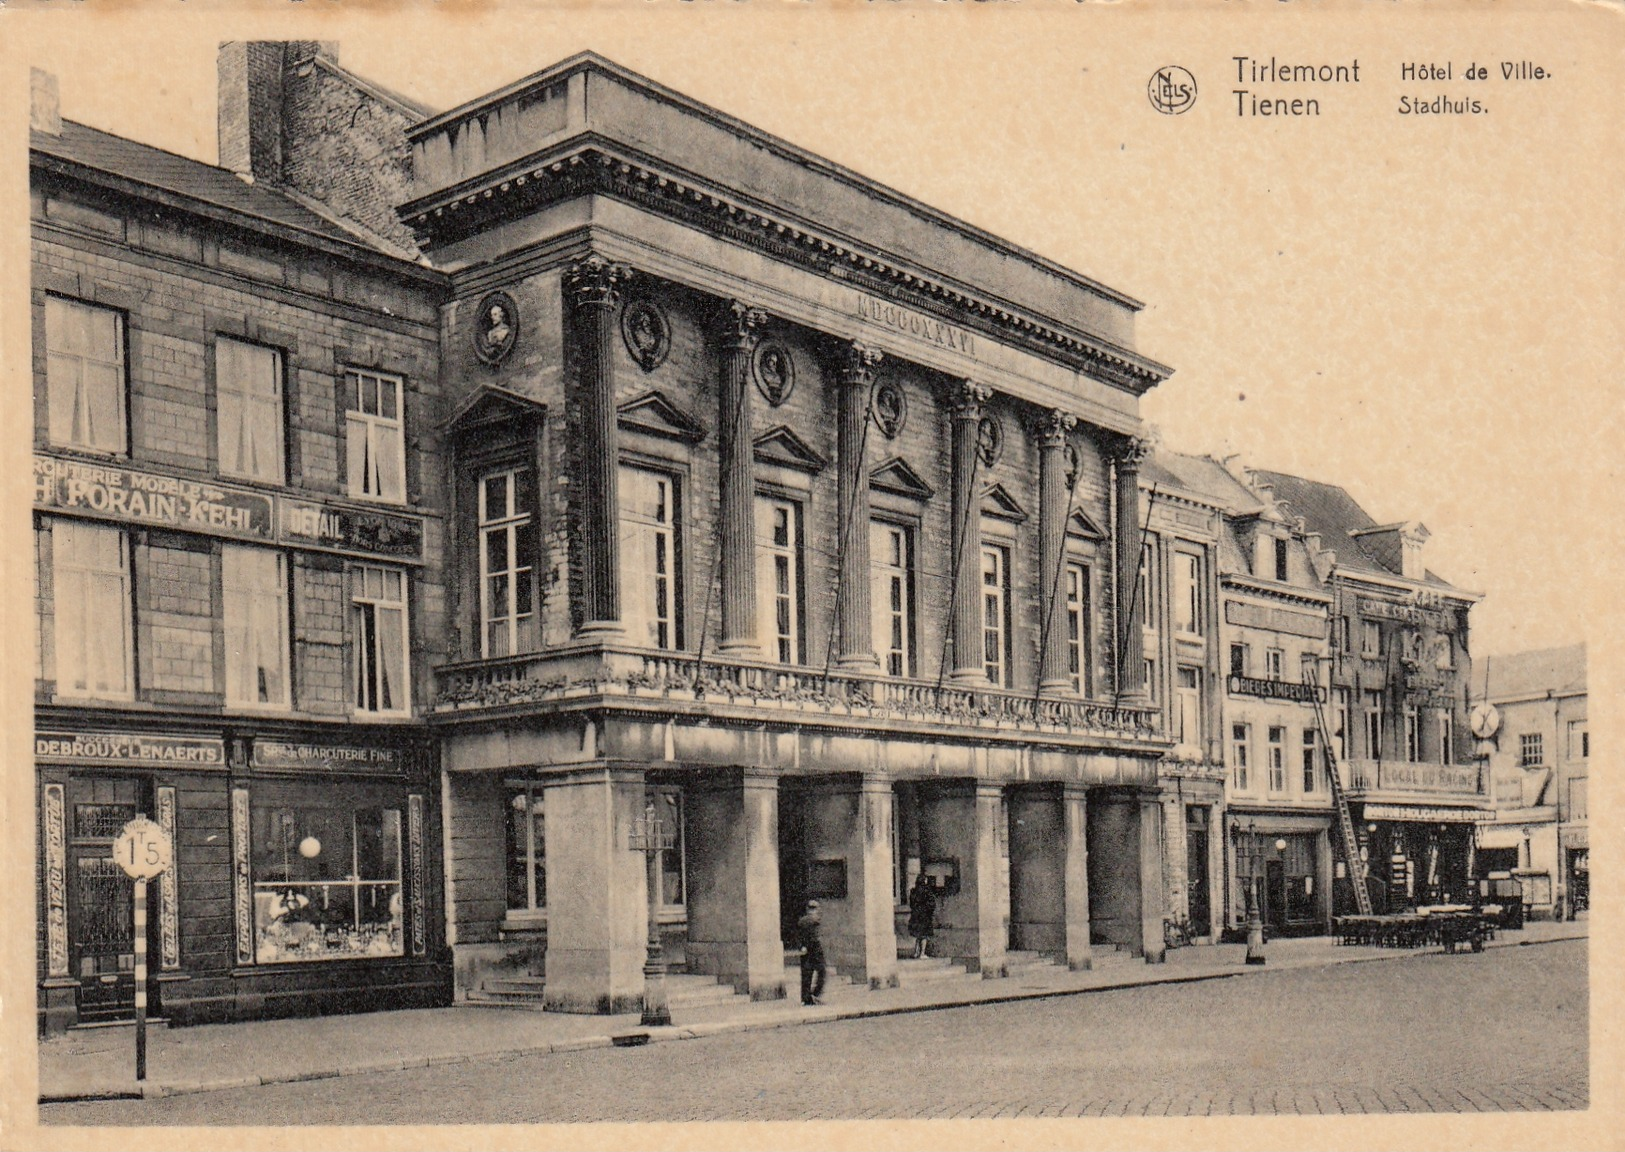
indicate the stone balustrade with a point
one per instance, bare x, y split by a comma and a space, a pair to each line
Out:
671, 677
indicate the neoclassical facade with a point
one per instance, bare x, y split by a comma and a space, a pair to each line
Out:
797, 511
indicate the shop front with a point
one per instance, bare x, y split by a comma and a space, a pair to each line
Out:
1418, 856
301, 881
1286, 860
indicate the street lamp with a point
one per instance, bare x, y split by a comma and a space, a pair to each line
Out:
651, 837
1252, 855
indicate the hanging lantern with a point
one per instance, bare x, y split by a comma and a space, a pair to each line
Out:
310, 847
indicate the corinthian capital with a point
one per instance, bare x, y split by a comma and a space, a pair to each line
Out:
1051, 428
593, 280
967, 400
743, 324
858, 364
1132, 451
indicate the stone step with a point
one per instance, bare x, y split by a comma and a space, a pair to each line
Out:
1017, 963
930, 970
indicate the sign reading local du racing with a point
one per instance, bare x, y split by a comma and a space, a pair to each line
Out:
142, 849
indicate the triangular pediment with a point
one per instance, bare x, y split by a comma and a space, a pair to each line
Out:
782, 446
1079, 525
1000, 505
898, 478
491, 404
655, 415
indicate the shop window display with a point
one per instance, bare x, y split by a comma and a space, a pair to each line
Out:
327, 883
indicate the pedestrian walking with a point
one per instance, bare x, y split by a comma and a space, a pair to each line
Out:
922, 914
812, 955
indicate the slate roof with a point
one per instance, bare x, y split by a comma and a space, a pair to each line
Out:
1562, 670
1203, 477
1329, 510
192, 180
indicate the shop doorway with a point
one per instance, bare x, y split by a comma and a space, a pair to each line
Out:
1200, 908
101, 936
792, 862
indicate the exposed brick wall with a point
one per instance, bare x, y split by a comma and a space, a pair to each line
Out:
320, 606
175, 618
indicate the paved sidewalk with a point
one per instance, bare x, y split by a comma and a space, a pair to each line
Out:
98, 1063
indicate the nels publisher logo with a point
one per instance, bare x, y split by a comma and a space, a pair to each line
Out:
1172, 90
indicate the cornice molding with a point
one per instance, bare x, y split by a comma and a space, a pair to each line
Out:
588, 164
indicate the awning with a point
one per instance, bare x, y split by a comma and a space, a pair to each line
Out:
1419, 814
1500, 836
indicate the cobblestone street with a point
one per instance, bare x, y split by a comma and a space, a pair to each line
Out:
1429, 1033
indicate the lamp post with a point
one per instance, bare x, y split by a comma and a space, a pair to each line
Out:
1247, 852
651, 837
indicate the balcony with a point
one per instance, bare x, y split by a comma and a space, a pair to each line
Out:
756, 692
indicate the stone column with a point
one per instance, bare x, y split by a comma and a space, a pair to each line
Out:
1054, 501
593, 286
856, 379
1151, 883
597, 893
737, 511
850, 820
1075, 830
966, 622
960, 821
1131, 687
733, 881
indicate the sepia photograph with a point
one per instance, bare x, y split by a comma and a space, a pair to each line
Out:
749, 563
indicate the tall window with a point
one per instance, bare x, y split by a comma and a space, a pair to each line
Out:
995, 610
254, 584
1311, 756
1373, 724
1187, 592
1447, 738
378, 631
1370, 638
674, 860
1413, 735
649, 557
1579, 740
1150, 582
1341, 634
527, 850
84, 375
1340, 722
507, 564
1531, 752
891, 596
778, 578
1280, 560
1274, 659
1238, 659
1240, 744
327, 882
1076, 608
376, 440
1188, 699
92, 593
248, 391
1277, 755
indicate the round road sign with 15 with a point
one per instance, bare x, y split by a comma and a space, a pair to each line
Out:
142, 849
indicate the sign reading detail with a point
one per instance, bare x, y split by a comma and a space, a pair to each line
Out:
144, 498
351, 528
282, 754
915, 324
128, 748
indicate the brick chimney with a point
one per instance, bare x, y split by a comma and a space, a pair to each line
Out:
44, 102
292, 118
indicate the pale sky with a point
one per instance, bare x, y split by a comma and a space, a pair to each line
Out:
1419, 308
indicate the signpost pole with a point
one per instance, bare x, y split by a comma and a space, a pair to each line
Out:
141, 979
